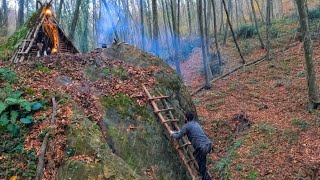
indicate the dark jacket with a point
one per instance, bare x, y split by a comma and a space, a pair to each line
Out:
194, 133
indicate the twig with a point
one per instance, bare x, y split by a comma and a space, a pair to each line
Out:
54, 110
230, 72
242, 66
45, 142
41, 156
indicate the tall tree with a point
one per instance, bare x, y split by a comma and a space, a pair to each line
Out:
215, 31
75, 19
155, 27
4, 22
204, 49
261, 13
268, 21
256, 24
232, 32
308, 54
189, 17
175, 37
142, 24
20, 20
84, 43
59, 10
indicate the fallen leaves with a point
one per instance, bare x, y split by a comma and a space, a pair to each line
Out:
64, 77
254, 90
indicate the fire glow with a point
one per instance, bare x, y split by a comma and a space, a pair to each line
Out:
54, 50
48, 12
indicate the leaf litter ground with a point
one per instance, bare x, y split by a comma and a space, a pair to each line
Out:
283, 141
70, 77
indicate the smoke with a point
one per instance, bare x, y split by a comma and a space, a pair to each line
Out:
128, 28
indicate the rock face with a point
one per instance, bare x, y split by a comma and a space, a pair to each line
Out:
139, 141
84, 139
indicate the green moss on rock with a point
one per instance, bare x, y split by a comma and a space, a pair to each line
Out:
85, 138
148, 145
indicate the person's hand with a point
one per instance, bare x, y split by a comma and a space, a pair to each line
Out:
171, 133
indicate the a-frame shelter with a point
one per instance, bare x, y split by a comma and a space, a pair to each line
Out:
45, 37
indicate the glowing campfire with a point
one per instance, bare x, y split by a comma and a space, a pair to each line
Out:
48, 12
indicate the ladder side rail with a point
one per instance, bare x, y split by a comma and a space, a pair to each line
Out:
184, 140
35, 35
176, 145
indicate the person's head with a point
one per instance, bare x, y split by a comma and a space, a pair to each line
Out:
189, 116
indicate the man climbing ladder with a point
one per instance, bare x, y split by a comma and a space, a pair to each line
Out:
199, 140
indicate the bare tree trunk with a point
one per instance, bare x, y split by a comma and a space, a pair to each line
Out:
268, 27
94, 19
204, 49
222, 19
237, 13
60, 10
155, 27
84, 38
75, 19
143, 43
261, 13
175, 37
308, 53
20, 14
148, 18
27, 8
215, 31
256, 24
5, 17
165, 24
226, 32
189, 17
233, 35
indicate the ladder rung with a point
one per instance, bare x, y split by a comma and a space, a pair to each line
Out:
184, 145
190, 160
162, 110
171, 120
159, 97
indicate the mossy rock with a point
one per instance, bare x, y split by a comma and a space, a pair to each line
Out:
84, 138
147, 144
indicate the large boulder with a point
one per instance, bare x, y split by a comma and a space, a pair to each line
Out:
147, 145
95, 158
136, 145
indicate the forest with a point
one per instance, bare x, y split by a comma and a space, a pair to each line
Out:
93, 89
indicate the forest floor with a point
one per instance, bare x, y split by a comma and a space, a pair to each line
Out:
283, 141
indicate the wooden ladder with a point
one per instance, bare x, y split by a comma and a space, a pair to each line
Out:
182, 146
26, 45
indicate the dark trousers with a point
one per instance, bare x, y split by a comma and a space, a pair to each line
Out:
201, 158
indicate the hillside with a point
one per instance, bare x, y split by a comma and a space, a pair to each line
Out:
102, 125
282, 138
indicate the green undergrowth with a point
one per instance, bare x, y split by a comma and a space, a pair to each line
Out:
222, 166
8, 47
15, 122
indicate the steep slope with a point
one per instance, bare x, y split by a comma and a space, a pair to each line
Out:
283, 141
105, 127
